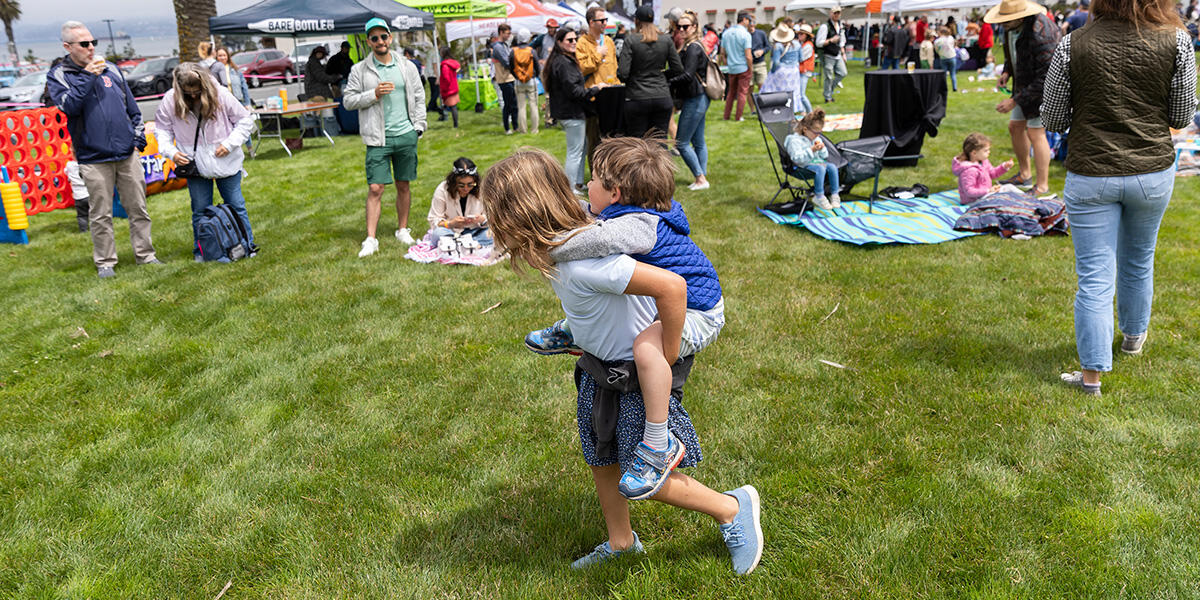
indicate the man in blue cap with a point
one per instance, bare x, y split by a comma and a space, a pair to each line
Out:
388, 94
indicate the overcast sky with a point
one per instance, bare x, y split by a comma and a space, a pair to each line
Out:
54, 12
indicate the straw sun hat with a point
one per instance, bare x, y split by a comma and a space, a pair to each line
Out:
1011, 10
782, 34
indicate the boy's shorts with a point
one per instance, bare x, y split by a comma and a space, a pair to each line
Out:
701, 327
395, 160
631, 423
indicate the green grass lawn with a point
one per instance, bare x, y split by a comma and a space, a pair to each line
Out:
307, 424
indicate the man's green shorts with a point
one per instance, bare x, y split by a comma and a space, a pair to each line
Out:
395, 160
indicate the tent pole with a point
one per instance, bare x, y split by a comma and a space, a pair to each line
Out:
475, 60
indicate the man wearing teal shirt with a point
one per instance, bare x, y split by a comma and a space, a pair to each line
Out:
388, 94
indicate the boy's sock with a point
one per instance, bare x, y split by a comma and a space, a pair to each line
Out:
655, 435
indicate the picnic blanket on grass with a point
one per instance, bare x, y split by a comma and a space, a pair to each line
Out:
910, 221
1010, 213
846, 122
425, 252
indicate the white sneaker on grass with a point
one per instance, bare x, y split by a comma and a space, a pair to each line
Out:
695, 187
404, 235
370, 246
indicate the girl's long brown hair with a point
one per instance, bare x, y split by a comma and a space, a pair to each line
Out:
193, 75
1153, 14
530, 207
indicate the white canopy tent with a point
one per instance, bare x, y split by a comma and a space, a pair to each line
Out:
907, 6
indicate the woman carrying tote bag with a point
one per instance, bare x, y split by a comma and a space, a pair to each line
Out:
200, 122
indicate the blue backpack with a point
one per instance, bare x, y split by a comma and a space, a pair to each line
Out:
220, 235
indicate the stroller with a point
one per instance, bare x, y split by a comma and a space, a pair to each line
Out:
856, 160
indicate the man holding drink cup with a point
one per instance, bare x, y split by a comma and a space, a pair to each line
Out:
107, 135
388, 94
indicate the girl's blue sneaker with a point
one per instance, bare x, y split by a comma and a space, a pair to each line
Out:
744, 536
555, 339
649, 469
604, 552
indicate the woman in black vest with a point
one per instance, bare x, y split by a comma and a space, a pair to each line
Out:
1119, 105
640, 67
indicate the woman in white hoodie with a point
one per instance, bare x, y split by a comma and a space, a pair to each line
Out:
200, 121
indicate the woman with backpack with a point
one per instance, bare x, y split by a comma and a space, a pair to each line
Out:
640, 67
201, 123
689, 136
524, 68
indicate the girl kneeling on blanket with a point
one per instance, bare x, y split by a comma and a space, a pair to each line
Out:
456, 208
975, 173
808, 152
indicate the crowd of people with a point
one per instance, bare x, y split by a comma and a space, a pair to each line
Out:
642, 315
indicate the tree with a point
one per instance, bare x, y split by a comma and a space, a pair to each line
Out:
30, 57
191, 19
10, 10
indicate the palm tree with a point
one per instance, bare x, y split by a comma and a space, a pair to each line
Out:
191, 19
10, 10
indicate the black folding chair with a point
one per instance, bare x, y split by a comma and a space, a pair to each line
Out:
775, 115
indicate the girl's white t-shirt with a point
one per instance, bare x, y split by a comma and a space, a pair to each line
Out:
603, 319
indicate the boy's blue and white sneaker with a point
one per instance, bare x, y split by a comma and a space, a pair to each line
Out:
604, 552
649, 469
555, 339
744, 535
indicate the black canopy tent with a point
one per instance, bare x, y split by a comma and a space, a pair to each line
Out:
316, 17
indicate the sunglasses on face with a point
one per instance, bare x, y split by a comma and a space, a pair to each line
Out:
85, 43
569, 40
604, 20
688, 26
383, 37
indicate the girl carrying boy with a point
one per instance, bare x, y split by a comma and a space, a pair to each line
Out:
609, 301
975, 173
809, 152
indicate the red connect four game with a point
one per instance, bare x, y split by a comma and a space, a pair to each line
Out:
35, 146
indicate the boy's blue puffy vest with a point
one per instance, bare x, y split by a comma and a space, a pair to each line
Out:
677, 253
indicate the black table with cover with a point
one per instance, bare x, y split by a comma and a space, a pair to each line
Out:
905, 106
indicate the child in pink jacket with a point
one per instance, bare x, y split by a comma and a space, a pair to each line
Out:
975, 173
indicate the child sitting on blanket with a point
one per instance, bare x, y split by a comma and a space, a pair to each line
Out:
456, 208
975, 173
988, 71
808, 152
630, 194
612, 302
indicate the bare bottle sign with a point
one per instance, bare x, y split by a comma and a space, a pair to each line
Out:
290, 25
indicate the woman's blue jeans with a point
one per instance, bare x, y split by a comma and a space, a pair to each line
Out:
951, 66
1114, 226
820, 171
201, 192
689, 135
807, 105
576, 130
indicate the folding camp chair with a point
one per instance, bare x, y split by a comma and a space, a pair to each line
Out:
856, 160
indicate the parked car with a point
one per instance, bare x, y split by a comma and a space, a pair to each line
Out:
152, 76
27, 88
302, 52
8, 74
269, 61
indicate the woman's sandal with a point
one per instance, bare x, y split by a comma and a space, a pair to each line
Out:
1075, 378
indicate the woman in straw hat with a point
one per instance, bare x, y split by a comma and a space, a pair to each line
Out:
1119, 84
1029, 40
785, 66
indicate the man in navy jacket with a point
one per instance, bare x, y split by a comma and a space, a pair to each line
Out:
107, 135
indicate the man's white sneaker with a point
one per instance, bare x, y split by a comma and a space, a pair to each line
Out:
370, 246
405, 236
699, 186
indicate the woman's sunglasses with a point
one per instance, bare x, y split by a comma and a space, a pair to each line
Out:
570, 40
